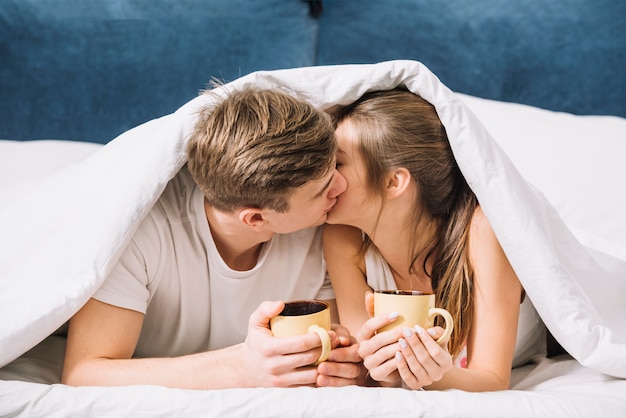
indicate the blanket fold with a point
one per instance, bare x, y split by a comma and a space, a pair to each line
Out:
63, 234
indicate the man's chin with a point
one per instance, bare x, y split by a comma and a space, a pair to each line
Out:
322, 220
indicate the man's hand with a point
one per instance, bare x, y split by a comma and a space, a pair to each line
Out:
344, 366
278, 361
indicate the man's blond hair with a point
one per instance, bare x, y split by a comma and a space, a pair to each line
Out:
255, 146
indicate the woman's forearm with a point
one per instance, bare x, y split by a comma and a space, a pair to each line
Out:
471, 380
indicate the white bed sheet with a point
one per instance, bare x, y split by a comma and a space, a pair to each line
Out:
569, 255
558, 387
550, 388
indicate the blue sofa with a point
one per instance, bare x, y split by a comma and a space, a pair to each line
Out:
90, 70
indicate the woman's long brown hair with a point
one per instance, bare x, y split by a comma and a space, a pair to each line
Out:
400, 129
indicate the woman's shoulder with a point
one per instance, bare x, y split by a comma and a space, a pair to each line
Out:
486, 254
479, 225
343, 242
483, 243
338, 236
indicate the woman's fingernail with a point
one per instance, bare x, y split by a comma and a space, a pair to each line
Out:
407, 332
393, 315
403, 343
398, 356
432, 332
419, 329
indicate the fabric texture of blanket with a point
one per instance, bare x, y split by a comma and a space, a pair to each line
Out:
63, 233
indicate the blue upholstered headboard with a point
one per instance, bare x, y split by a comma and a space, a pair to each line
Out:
89, 70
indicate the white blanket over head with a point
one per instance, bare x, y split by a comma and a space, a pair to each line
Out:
62, 234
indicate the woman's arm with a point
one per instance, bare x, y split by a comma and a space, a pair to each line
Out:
497, 293
346, 267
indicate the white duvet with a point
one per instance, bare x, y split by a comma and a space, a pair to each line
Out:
60, 234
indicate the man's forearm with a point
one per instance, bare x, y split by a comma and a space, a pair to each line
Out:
224, 368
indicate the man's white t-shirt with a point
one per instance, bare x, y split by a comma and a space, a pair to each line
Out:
192, 301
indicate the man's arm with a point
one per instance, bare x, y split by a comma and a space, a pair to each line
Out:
103, 337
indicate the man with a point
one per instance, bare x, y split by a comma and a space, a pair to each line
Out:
235, 229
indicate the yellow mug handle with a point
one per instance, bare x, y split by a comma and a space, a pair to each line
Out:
449, 322
325, 342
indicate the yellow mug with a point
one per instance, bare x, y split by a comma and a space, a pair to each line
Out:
302, 317
413, 307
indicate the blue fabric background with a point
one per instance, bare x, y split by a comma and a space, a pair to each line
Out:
89, 70
567, 55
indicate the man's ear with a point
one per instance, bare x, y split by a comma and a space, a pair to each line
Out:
398, 181
252, 217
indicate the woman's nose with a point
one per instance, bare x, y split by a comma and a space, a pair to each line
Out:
339, 185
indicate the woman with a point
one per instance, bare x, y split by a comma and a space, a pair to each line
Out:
408, 220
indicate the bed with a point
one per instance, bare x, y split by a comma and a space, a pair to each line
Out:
96, 99
549, 182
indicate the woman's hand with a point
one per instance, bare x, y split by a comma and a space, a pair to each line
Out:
378, 350
404, 355
344, 366
420, 360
